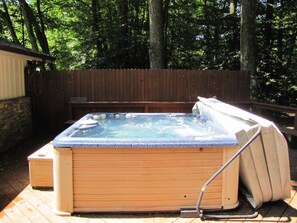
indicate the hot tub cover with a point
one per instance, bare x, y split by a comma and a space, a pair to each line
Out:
264, 165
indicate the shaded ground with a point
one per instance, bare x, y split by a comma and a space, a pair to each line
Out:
17, 156
14, 168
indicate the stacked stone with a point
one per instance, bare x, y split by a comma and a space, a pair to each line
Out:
15, 121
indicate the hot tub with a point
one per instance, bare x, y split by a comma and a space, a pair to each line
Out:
133, 162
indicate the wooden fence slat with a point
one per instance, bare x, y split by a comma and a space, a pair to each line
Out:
51, 90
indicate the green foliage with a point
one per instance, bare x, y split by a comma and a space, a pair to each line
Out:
276, 78
202, 35
199, 34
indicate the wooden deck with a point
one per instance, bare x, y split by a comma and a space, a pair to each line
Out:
22, 204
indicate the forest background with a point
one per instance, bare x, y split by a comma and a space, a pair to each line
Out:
198, 34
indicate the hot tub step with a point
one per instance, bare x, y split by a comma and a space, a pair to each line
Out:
41, 167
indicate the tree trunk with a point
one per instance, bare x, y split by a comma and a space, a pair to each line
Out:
280, 40
166, 13
292, 44
268, 22
232, 7
234, 30
39, 34
248, 36
208, 37
8, 22
157, 48
124, 35
42, 37
28, 25
95, 26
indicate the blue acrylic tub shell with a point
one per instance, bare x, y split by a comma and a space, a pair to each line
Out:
65, 139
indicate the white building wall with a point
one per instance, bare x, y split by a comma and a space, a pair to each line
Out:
12, 78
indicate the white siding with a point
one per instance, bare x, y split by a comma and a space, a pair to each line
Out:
12, 78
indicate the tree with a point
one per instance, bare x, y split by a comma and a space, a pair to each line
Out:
123, 31
28, 24
35, 30
248, 36
95, 26
277, 45
6, 17
184, 34
156, 48
40, 29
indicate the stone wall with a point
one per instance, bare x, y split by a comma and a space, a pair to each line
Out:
15, 121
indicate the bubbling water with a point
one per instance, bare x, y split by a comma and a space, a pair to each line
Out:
147, 126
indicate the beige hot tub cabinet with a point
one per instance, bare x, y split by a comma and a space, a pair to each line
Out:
142, 179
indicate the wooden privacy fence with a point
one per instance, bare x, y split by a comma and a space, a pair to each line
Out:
51, 91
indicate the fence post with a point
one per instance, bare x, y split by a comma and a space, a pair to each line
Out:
294, 138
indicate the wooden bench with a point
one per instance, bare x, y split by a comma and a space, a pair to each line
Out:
41, 167
78, 108
287, 131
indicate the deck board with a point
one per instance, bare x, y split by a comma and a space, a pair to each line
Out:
290, 213
19, 202
43, 208
14, 214
32, 205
